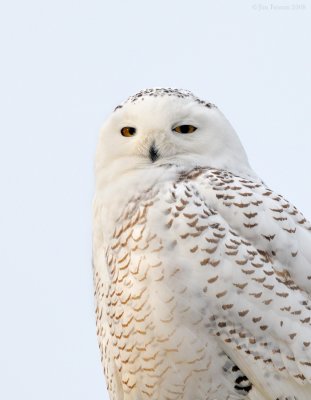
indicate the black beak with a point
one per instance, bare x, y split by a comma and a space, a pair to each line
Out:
153, 153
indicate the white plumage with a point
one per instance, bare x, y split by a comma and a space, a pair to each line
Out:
202, 273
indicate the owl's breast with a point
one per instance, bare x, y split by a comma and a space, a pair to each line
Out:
158, 315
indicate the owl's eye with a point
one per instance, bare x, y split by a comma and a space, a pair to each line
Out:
128, 131
185, 129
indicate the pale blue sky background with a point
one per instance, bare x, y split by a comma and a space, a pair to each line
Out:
64, 66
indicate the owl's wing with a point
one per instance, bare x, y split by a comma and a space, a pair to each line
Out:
250, 251
270, 222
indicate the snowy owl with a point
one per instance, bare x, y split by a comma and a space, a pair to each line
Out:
202, 273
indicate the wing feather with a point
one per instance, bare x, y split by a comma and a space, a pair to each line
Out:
261, 300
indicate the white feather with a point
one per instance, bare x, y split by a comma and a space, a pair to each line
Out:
196, 262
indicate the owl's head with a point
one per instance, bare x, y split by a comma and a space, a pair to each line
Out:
160, 127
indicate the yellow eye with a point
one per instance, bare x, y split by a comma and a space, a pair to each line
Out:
185, 129
128, 131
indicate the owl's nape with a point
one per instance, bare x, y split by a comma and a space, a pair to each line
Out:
202, 272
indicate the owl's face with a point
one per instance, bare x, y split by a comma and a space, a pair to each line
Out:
161, 127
